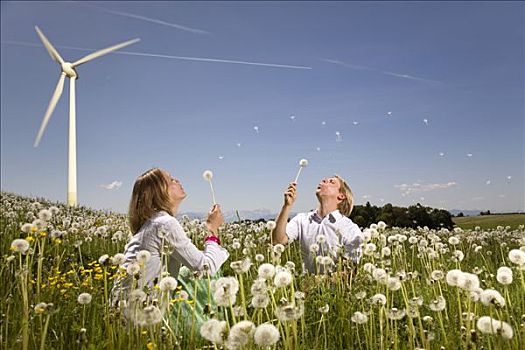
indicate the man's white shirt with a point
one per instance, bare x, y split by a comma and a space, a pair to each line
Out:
339, 233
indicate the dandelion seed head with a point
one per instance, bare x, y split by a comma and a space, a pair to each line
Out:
283, 279
213, 330
517, 256
84, 298
359, 318
491, 297
168, 284
118, 259
504, 275
143, 256
278, 248
207, 175
20, 246
266, 335
133, 268
438, 304
270, 225
324, 309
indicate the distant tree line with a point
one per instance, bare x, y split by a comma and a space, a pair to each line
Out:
413, 216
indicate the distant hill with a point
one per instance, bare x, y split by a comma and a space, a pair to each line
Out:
465, 212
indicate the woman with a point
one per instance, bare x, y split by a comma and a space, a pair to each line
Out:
154, 202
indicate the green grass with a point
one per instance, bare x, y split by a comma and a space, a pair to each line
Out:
490, 221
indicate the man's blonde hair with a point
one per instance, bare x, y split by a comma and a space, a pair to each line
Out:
150, 195
346, 206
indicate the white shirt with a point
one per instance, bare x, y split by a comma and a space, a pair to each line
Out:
339, 233
183, 252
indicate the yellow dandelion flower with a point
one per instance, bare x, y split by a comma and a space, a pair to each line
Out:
33, 229
144, 332
150, 346
43, 234
57, 241
98, 277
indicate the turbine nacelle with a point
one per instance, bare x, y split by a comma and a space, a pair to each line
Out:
70, 71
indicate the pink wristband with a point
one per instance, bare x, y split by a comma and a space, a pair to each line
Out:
212, 238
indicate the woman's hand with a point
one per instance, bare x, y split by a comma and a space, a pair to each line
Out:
215, 219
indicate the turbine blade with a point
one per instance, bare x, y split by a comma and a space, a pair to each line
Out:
50, 108
103, 52
50, 49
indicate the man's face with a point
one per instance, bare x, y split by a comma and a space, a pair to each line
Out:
329, 188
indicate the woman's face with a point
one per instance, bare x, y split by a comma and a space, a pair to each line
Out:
175, 188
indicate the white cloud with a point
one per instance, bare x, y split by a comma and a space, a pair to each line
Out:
115, 185
407, 189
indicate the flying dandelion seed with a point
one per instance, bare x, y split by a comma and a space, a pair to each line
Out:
238, 144
221, 157
469, 155
425, 121
292, 117
389, 113
318, 149
487, 182
338, 137
355, 123
256, 128
441, 154
509, 178
323, 123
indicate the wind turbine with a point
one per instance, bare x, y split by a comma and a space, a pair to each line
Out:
68, 70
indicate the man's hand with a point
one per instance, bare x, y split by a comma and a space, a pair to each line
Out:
290, 195
215, 219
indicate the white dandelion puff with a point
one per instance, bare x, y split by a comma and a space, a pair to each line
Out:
517, 256
266, 271
118, 259
84, 298
143, 256
302, 164
504, 275
438, 304
208, 175
213, 330
168, 284
266, 335
270, 225
359, 318
20, 246
491, 297
283, 279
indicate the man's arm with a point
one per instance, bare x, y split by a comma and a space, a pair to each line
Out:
279, 232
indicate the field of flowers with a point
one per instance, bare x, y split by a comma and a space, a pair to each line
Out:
413, 289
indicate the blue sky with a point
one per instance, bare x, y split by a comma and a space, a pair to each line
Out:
409, 101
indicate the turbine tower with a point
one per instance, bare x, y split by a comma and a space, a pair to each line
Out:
68, 70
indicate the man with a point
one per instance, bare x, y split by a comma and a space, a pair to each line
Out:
324, 231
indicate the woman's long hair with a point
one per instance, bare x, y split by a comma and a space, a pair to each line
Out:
150, 195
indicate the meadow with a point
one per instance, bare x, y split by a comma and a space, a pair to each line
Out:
490, 221
413, 288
